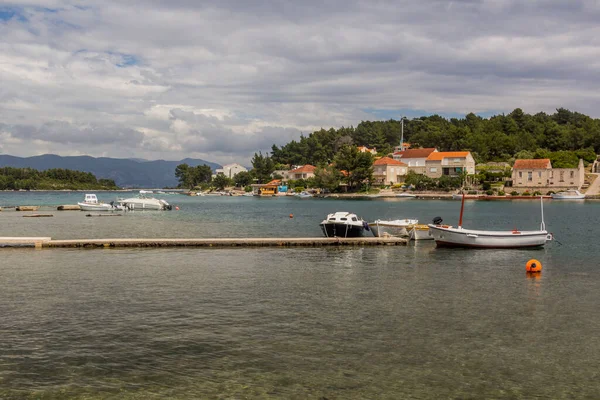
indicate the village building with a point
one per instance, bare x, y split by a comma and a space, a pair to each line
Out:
283, 173
230, 170
414, 158
266, 189
364, 149
531, 175
449, 163
387, 171
303, 172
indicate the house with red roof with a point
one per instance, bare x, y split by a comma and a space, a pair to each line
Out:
449, 163
532, 174
414, 158
303, 172
387, 171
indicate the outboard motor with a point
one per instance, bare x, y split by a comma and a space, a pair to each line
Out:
437, 220
169, 207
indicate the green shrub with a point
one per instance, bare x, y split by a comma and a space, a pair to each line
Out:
501, 193
550, 192
489, 192
526, 193
486, 186
514, 193
472, 192
537, 193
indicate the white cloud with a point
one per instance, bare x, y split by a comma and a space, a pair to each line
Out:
222, 79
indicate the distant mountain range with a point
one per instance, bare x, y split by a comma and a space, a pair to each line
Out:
129, 173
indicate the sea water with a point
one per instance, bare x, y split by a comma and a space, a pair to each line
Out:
297, 323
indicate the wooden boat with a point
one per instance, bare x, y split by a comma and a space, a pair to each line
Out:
396, 227
419, 232
448, 236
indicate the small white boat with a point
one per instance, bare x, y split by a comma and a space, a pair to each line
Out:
420, 232
397, 227
343, 224
571, 194
144, 203
304, 195
449, 236
91, 203
406, 196
146, 191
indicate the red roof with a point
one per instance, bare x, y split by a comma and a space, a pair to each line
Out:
415, 153
440, 155
388, 161
542, 163
305, 169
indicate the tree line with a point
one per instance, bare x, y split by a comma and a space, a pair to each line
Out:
52, 179
498, 138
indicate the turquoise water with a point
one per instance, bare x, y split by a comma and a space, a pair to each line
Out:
299, 323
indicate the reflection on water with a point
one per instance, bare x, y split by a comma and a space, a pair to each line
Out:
296, 323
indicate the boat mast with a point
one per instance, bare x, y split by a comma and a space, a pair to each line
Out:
462, 207
543, 224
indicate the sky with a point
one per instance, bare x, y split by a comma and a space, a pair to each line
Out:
223, 79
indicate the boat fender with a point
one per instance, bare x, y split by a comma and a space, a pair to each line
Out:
533, 266
437, 220
366, 226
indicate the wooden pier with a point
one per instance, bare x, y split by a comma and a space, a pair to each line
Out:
207, 243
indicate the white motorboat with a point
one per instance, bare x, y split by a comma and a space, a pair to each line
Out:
449, 236
304, 195
343, 224
419, 232
571, 194
91, 203
144, 203
406, 196
146, 192
397, 227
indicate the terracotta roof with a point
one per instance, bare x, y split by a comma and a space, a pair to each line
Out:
440, 155
542, 163
303, 169
415, 153
388, 161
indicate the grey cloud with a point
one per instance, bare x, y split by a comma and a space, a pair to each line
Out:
273, 68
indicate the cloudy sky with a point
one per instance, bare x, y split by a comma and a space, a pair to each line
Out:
221, 79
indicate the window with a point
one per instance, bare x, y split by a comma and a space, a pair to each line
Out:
457, 160
572, 174
539, 174
530, 176
562, 176
432, 169
520, 174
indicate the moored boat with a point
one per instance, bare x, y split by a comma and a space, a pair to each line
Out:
144, 203
572, 194
397, 227
419, 232
406, 196
343, 224
449, 236
91, 203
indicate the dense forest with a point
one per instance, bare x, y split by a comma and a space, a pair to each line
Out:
51, 179
564, 137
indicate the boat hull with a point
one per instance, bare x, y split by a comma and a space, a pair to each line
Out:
446, 236
96, 207
420, 232
342, 230
145, 204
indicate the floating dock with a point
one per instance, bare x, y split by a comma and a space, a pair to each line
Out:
210, 243
68, 207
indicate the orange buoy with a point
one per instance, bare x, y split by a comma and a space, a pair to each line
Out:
533, 266
177, 208
291, 215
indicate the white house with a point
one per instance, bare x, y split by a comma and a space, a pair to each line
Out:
230, 170
414, 158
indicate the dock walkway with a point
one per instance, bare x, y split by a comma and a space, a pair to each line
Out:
212, 242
